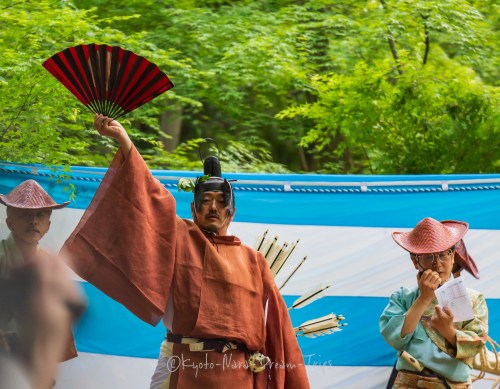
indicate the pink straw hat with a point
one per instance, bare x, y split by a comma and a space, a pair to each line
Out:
464, 260
30, 195
430, 236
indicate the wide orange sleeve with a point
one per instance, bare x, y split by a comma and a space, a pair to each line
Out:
288, 370
125, 242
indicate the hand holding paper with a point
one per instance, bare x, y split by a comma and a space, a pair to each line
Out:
453, 295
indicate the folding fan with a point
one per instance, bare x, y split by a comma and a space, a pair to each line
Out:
108, 79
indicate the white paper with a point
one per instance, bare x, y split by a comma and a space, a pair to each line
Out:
453, 295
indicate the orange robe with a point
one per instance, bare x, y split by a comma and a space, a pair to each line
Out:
131, 245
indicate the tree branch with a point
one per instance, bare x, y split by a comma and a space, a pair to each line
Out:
303, 160
21, 109
394, 51
392, 45
14, 4
367, 158
427, 39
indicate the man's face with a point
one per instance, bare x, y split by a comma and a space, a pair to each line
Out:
28, 225
441, 262
213, 213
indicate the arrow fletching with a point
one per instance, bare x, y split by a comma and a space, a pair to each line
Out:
309, 297
285, 256
321, 326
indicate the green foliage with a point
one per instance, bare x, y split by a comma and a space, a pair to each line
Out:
247, 63
393, 112
40, 120
188, 185
426, 122
234, 157
391, 86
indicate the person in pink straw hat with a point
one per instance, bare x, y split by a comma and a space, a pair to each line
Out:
434, 351
29, 208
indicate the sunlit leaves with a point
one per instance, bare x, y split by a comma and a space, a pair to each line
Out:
310, 85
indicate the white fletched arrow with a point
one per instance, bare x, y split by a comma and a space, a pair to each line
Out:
269, 248
321, 326
283, 259
277, 256
293, 272
260, 241
309, 297
277, 259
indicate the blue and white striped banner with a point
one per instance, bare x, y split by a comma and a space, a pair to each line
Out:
344, 225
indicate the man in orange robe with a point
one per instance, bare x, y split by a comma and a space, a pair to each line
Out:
216, 295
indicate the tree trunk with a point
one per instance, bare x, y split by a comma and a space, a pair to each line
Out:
170, 124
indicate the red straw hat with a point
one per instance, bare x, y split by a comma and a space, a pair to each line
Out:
430, 236
464, 260
30, 195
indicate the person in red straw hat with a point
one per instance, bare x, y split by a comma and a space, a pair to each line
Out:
29, 208
434, 351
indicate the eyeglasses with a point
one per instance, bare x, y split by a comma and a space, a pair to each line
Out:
428, 260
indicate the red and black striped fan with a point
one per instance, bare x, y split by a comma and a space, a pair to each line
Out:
108, 79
